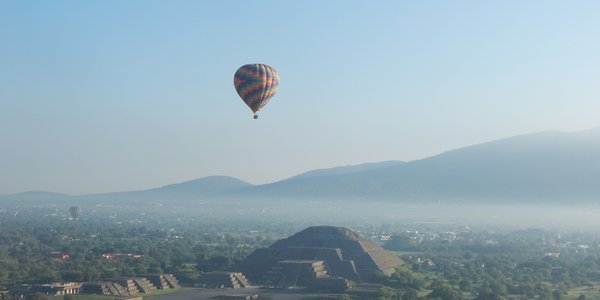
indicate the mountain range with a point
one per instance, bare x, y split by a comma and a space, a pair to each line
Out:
561, 167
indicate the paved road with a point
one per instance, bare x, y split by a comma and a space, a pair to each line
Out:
263, 294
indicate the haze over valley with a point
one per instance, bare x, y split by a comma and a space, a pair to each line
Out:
541, 179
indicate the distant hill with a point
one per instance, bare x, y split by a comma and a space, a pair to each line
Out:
188, 190
204, 186
541, 167
546, 166
349, 169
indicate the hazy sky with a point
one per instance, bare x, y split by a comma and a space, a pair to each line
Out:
99, 96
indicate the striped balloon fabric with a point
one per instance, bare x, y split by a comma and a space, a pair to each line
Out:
256, 84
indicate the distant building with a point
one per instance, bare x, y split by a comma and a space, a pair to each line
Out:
121, 255
66, 288
56, 288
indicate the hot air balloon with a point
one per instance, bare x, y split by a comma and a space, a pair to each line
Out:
256, 84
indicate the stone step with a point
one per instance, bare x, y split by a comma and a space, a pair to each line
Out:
172, 281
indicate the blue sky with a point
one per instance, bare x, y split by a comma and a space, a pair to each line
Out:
99, 96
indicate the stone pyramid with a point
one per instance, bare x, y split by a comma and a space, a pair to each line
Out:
345, 253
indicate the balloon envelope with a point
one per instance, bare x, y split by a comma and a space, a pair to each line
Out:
256, 84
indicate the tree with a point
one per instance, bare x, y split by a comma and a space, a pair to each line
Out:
557, 294
465, 285
410, 294
487, 294
445, 292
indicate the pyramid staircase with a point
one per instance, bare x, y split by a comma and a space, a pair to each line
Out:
116, 289
224, 280
289, 273
143, 285
158, 280
104, 288
243, 281
171, 281
128, 284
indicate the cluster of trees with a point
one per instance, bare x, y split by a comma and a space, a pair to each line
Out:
523, 265
27, 241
